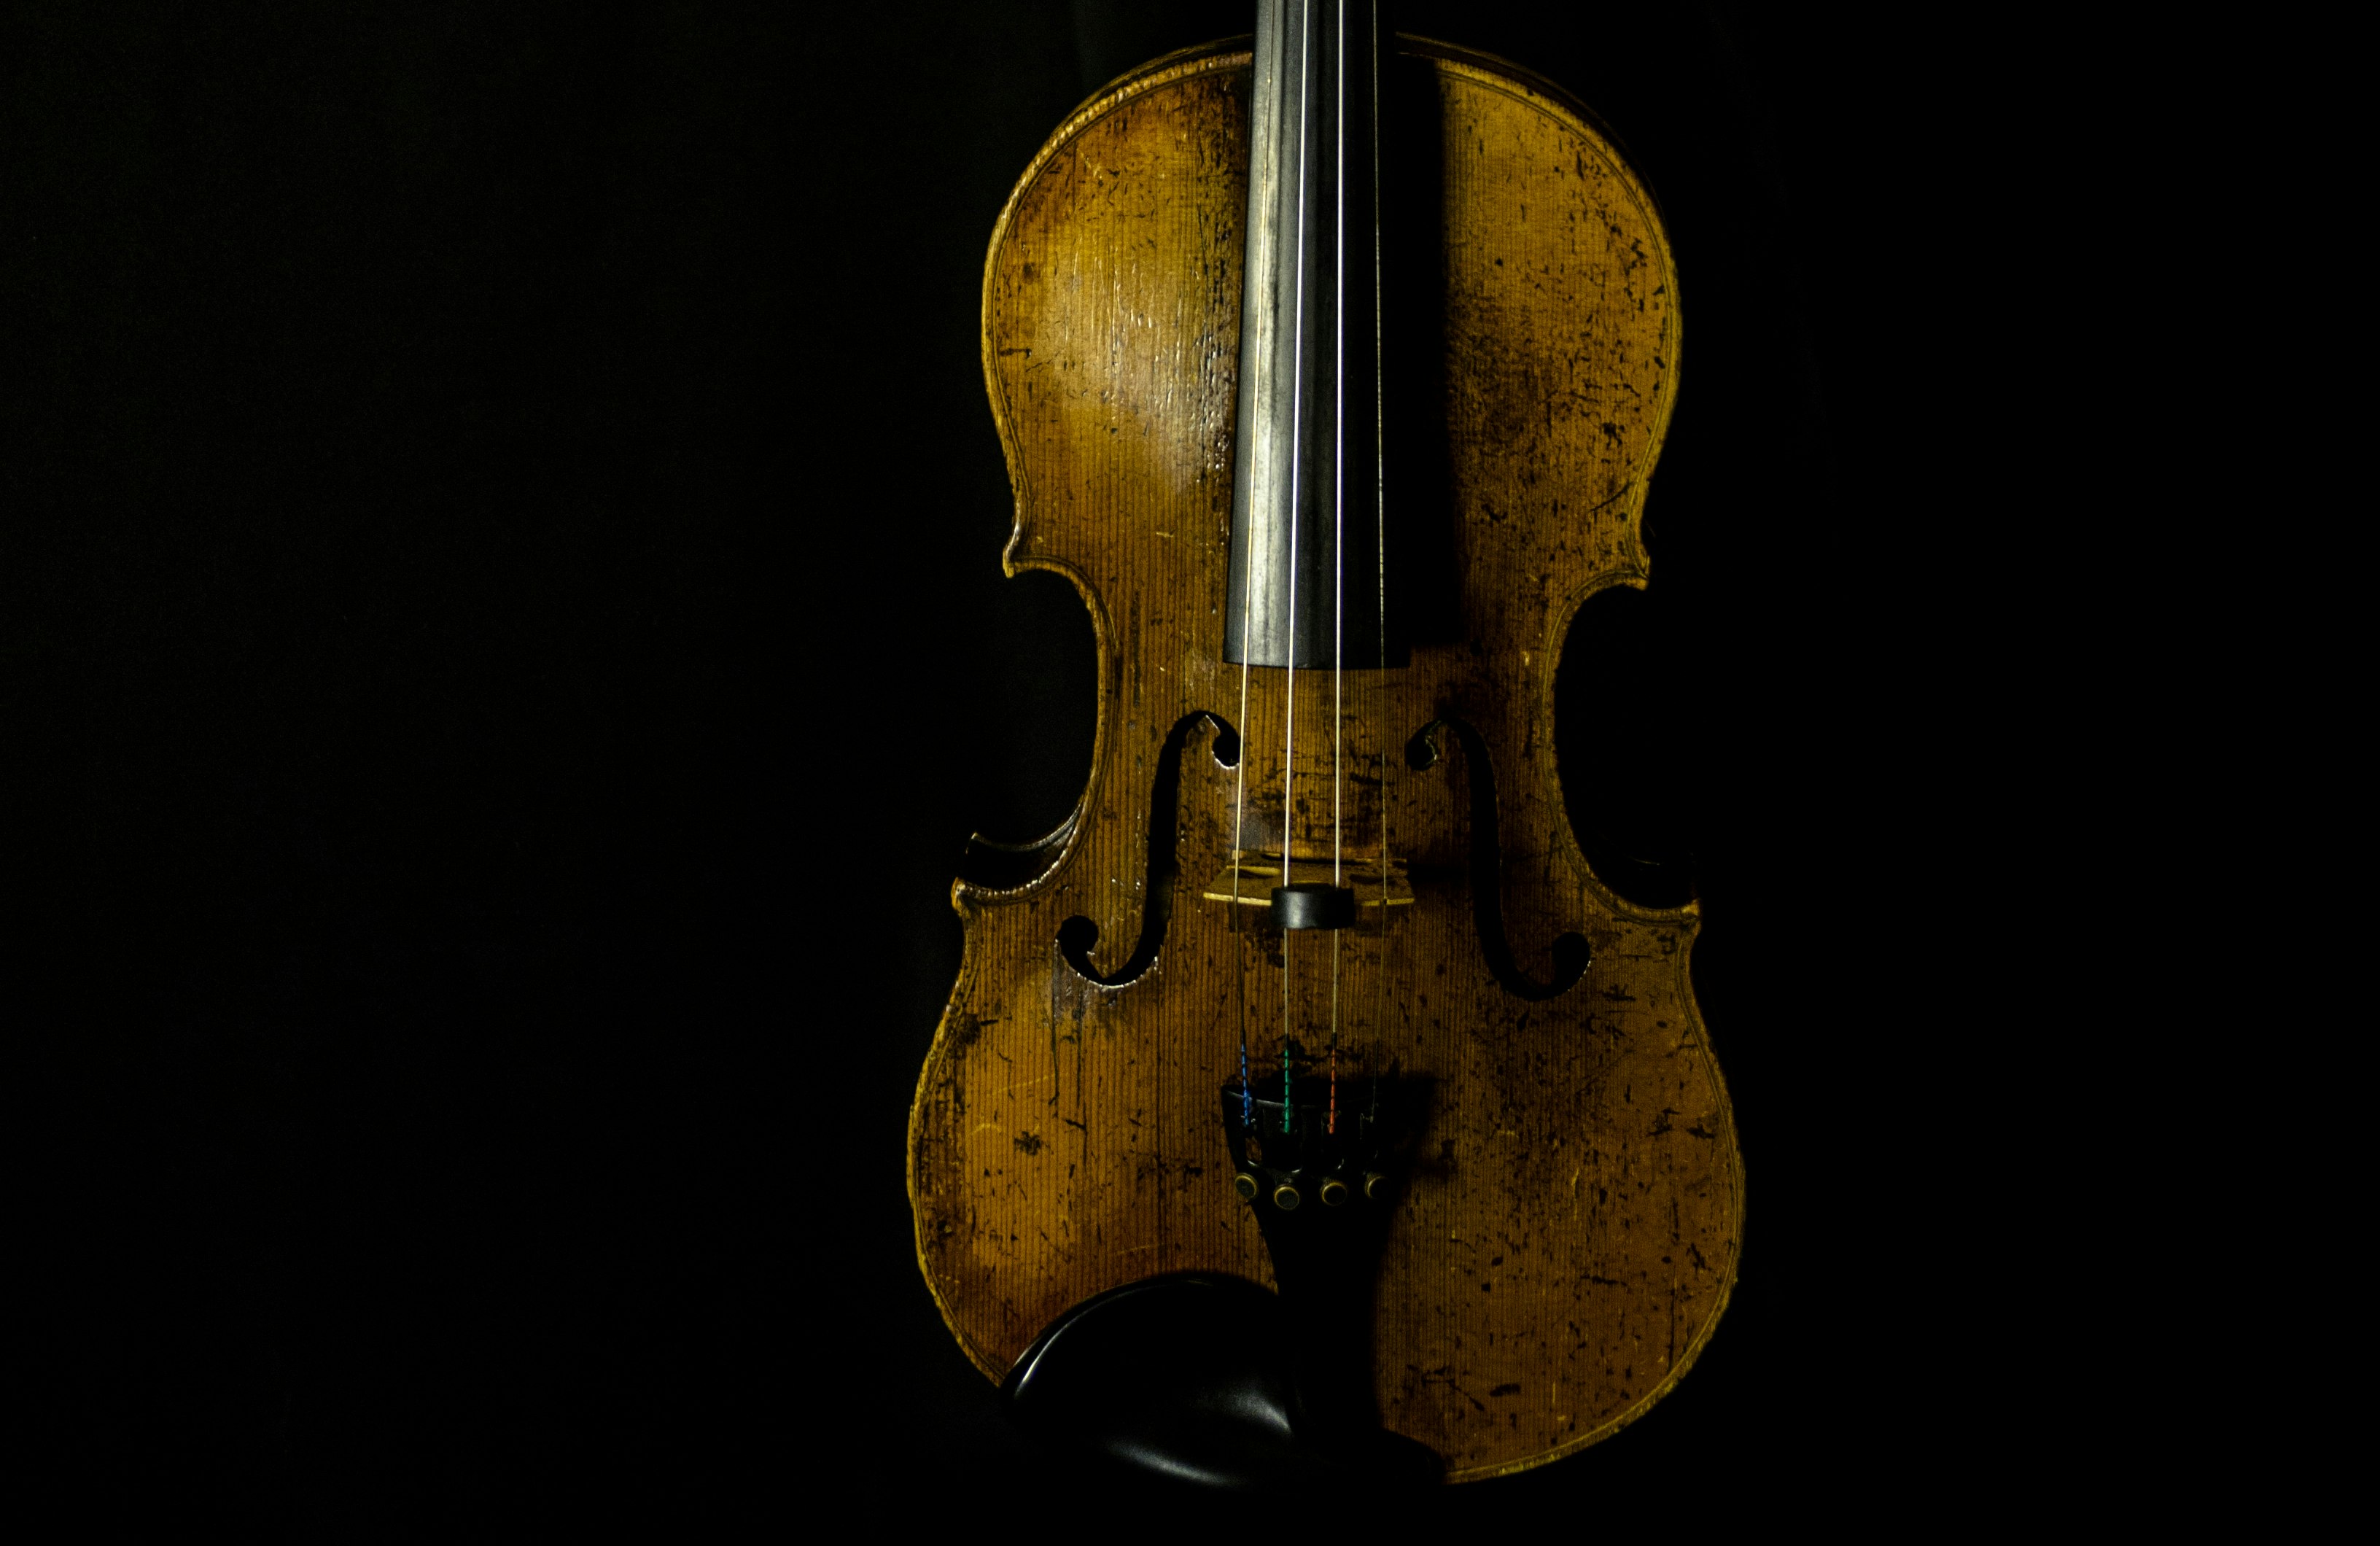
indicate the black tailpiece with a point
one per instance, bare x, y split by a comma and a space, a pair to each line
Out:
1209, 1379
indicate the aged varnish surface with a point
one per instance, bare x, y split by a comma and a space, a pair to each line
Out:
1570, 1233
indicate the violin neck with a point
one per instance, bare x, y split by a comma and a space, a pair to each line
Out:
1309, 581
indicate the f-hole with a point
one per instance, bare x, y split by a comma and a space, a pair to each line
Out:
1570, 952
1078, 935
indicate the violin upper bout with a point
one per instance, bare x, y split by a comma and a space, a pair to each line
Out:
1111, 318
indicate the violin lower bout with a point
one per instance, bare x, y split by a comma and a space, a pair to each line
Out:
1566, 1241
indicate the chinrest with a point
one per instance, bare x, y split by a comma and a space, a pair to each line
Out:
1191, 1378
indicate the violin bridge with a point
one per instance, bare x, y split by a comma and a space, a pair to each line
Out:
1259, 872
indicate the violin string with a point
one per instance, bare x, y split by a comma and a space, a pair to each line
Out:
1296, 489
1239, 945
1247, 615
1380, 735
1338, 517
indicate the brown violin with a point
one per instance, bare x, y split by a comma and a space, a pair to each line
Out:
1331, 369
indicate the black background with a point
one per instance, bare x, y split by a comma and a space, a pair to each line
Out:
505, 643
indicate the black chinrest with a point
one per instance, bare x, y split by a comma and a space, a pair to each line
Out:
1191, 1378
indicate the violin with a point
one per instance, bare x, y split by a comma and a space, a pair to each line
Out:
1331, 367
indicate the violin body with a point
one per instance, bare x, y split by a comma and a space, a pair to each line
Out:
1570, 1230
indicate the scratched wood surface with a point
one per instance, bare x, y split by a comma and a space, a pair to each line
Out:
1571, 1233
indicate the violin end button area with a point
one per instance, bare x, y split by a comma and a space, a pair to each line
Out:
1246, 1185
1334, 1193
1285, 1198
